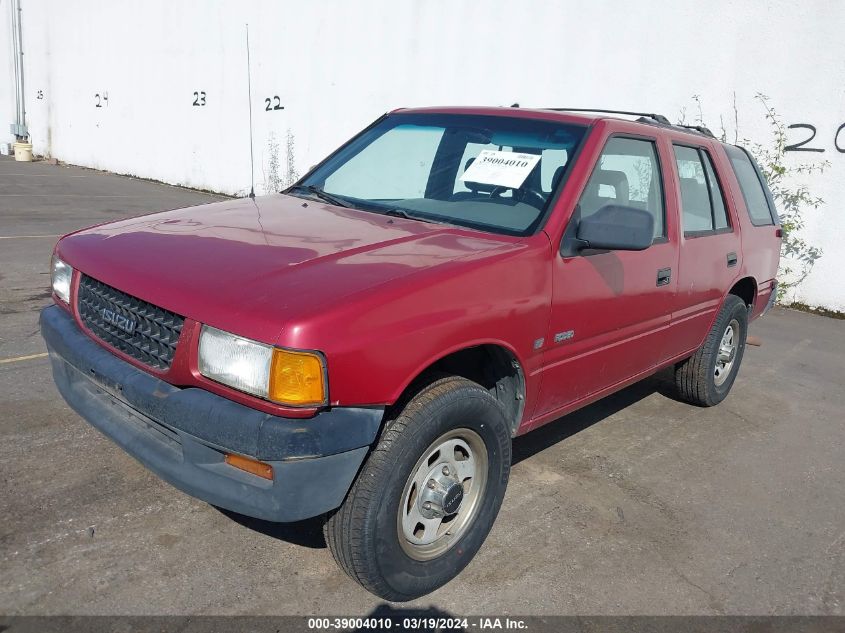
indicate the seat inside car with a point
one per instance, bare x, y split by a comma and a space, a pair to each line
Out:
508, 195
557, 176
595, 195
475, 188
695, 203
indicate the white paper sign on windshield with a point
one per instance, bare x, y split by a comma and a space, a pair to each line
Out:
504, 169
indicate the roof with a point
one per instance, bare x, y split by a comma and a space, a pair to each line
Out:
516, 112
581, 116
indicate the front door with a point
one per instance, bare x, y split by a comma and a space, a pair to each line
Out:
611, 309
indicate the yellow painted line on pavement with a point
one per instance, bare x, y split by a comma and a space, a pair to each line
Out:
20, 358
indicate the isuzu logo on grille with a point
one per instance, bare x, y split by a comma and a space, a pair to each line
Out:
118, 320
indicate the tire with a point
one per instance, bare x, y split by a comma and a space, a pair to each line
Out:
706, 378
366, 535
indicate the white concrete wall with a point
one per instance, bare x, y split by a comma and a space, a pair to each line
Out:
7, 72
337, 65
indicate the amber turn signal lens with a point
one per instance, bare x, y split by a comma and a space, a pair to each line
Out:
297, 378
260, 469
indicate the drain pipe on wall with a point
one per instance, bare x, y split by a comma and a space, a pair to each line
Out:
23, 148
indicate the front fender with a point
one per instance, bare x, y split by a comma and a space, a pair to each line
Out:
378, 341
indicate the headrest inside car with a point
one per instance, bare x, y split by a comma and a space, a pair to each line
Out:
613, 178
476, 187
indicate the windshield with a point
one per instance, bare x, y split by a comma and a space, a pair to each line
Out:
492, 173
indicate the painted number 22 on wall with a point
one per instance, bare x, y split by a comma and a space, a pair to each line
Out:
273, 103
811, 129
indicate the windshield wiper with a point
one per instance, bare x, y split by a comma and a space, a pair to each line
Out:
326, 197
340, 202
401, 213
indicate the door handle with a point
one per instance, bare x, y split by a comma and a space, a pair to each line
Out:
731, 260
664, 276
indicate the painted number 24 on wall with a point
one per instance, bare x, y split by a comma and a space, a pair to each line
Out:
800, 146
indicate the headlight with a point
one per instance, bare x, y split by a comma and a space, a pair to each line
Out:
284, 376
60, 276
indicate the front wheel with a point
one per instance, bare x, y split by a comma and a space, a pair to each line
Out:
428, 494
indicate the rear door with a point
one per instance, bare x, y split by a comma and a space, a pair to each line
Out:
610, 309
761, 231
710, 253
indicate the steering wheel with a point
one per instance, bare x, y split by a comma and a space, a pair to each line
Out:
525, 194
529, 195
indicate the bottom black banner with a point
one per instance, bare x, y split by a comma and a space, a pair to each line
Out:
389, 619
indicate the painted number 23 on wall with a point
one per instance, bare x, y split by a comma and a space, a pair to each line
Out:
801, 146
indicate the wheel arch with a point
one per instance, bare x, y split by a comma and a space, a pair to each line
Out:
746, 289
492, 364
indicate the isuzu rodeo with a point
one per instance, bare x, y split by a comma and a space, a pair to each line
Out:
365, 344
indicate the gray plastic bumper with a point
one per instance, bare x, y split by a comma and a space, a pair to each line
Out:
183, 434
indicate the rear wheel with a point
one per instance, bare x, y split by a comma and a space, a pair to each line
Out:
707, 376
428, 494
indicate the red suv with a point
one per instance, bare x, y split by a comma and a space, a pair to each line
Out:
366, 344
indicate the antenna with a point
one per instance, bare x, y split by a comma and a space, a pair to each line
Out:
249, 93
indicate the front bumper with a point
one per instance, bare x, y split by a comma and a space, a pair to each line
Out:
182, 434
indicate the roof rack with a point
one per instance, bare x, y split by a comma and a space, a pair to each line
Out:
649, 115
698, 128
645, 117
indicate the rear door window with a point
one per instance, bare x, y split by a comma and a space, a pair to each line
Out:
720, 212
702, 202
757, 200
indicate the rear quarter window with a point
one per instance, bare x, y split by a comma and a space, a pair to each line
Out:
758, 199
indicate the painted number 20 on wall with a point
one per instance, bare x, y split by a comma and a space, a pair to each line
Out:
801, 146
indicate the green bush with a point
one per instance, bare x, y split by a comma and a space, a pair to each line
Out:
793, 199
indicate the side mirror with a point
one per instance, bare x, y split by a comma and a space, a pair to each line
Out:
616, 227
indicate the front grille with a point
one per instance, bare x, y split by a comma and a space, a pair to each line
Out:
137, 328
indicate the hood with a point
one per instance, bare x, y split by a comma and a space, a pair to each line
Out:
247, 265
